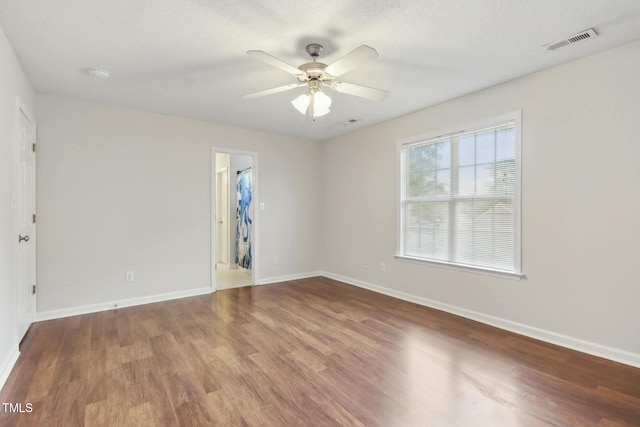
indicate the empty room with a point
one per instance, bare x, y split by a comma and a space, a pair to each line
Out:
338, 213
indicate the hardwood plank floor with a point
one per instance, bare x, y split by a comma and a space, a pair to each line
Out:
312, 352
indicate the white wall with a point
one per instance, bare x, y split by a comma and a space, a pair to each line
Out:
13, 85
121, 189
581, 206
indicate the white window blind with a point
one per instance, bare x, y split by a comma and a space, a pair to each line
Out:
459, 201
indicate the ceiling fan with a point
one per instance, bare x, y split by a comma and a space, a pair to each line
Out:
315, 74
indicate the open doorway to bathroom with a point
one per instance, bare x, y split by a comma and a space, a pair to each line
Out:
234, 218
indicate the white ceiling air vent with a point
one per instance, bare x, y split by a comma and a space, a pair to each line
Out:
582, 35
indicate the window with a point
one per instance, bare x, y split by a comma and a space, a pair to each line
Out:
459, 197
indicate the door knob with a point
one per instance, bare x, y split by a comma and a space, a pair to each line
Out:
23, 238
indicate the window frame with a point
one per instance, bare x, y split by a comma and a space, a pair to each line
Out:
517, 273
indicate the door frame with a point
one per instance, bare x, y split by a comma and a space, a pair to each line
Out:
227, 229
255, 199
22, 109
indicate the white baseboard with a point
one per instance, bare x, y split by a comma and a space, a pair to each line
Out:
617, 355
6, 369
298, 276
94, 308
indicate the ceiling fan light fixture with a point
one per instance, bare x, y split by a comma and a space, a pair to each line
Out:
321, 104
314, 104
301, 103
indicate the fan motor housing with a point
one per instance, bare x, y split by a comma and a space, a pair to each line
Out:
314, 70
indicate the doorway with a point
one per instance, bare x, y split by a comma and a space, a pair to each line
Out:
234, 221
25, 203
223, 230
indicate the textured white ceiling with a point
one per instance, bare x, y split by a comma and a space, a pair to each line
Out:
188, 57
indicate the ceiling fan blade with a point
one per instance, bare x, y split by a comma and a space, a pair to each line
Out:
275, 62
361, 91
274, 90
351, 60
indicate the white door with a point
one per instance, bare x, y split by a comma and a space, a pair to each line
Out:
222, 215
26, 226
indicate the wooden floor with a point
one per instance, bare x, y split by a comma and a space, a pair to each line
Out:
312, 352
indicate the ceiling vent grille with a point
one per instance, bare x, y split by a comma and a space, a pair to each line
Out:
350, 122
583, 35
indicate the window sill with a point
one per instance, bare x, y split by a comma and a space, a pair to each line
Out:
461, 267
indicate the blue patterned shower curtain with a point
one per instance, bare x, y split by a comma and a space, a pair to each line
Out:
244, 224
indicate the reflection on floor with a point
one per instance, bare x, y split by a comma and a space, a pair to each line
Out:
227, 278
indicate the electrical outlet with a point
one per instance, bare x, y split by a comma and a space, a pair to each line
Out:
262, 206
129, 276
275, 260
367, 265
383, 268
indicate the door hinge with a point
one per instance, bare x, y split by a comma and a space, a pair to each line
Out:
33, 291
34, 218
33, 147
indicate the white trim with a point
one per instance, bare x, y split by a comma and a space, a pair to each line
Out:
5, 371
514, 115
94, 308
617, 355
21, 106
462, 267
517, 232
400, 189
225, 170
288, 277
130, 302
212, 210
